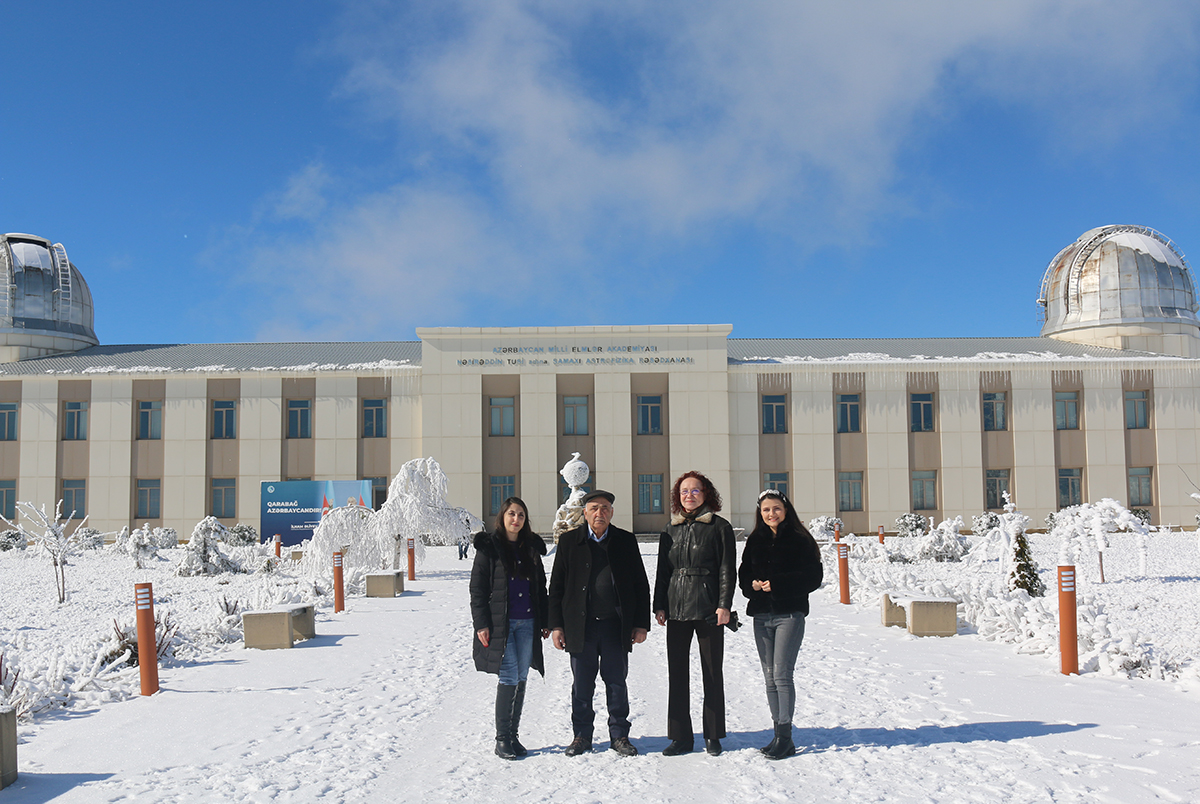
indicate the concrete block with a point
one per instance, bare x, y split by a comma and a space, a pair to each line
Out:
279, 627
385, 584
891, 613
8, 746
933, 617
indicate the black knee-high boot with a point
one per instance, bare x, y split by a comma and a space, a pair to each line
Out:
517, 705
505, 693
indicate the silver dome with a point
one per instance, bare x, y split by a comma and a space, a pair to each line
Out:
45, 304
1118, 275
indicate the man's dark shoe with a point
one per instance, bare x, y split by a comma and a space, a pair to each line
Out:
580, 745
623, 747
713, 747
517, 748
676, 748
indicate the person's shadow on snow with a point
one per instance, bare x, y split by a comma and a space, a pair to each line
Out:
814, 740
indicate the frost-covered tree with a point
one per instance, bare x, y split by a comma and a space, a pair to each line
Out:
985, 522
242, 533
345, 529
51, 538
142, 545
165, 538
821, 527
1086, 528
89, 538
911, 525
417, 506
203, 554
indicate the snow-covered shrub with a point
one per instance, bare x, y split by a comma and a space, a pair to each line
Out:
165, 538
241, 534
89, 538
1141, 513
943, 543
911, 525
51, 538
985, 522
203, 554
140, 544
821, 527
12, 540
125, 640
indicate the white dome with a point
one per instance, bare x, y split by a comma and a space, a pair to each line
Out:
45, 304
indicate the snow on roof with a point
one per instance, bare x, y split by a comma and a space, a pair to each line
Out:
888, 350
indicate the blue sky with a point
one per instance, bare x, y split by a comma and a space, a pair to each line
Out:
227, 171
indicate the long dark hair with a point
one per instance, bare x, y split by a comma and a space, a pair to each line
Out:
712, 497
791, 520
517, 558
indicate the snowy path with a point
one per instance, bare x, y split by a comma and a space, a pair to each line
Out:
384, 706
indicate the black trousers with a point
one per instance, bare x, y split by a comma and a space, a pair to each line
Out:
711, 640
605, 651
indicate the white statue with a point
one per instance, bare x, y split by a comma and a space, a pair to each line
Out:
570, 513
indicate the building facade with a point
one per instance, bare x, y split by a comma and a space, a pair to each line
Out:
1099, 405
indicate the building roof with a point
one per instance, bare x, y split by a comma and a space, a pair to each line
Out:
214, 358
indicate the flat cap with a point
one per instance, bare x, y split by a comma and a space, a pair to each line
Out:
598, 495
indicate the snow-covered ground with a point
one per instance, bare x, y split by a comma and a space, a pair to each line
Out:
384, 705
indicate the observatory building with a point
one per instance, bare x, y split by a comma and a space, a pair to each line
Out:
1102, 404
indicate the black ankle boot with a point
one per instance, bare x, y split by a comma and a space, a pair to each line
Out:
784, 747
517, 705
505, 693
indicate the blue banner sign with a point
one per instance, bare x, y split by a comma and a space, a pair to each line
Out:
293, 508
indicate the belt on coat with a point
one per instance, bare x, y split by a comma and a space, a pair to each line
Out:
692, 571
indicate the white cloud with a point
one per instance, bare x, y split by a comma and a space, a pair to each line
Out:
547, 139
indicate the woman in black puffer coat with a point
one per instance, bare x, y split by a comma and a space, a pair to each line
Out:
781, 564
509, 613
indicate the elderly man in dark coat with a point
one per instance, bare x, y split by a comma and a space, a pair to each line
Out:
599, 608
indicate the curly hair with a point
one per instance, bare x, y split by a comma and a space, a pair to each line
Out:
712, 497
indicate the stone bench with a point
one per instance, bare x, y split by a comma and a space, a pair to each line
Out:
385, 584
924, 616
8, 746
297, 555
278, 627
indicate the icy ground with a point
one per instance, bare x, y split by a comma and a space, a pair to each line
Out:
384, 705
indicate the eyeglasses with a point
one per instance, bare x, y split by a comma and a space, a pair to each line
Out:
690, 492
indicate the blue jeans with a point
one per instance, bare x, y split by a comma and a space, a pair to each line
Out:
518, 652
778, 637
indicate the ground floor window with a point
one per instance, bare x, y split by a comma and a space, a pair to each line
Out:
996, 482
777, 481
149, 499
74, 497
1070, 487
224, 497
8, 499
924, 490
503, 487
650, 494
1140, 493
850, 496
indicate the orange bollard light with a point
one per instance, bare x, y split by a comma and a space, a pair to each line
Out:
278, 545
339, 593
143, 594
837, 533
1068, 629
881, 534
412, 559
843, 550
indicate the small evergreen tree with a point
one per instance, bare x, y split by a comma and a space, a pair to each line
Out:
1024, 572
911, 525
243, 534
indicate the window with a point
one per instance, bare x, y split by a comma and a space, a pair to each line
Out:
379, 490
850, 491
503, 487
74, 497
502, 408
993, 412
773, 415
374, 418
1140, 493
650, 494
224, 418
1137, 412
224, 497
1070, 487
924, 490
777, 481
75, 421
995, 487
8, 421
149, 499
649, 415
150, 420
8, 499
1066, 411
299, 418
848, 413
922, 412
575, 415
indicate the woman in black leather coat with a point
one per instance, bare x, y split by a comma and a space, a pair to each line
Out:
693, 595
